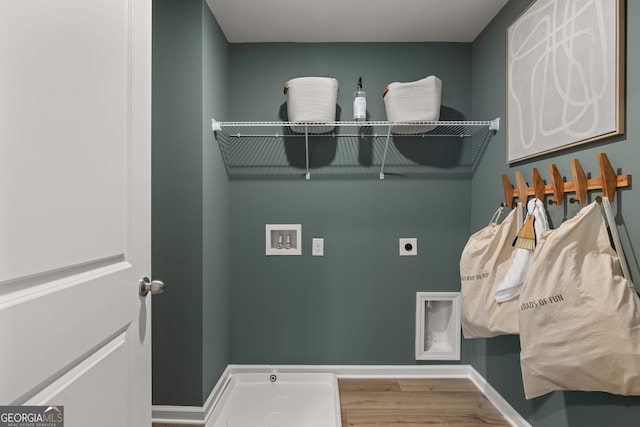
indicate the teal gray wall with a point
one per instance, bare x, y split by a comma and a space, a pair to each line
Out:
259, 71
497, 359
190, 217
216, 210
355, 305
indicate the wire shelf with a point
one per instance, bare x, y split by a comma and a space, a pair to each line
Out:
353, 149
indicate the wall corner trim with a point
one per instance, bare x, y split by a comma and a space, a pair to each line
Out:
199, 416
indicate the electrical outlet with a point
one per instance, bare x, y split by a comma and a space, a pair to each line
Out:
408, 246
283, 239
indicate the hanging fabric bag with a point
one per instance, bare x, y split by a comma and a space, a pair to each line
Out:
484, 262
579, 314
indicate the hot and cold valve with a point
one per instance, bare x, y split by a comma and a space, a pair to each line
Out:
283, 239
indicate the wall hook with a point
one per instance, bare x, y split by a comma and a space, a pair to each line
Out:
557, 185
508, 191
608, 183
579, 181
539, 189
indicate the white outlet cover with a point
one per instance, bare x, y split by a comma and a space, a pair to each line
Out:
317, 246
408, 246
283, 239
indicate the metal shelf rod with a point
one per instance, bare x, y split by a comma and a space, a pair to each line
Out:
349, 135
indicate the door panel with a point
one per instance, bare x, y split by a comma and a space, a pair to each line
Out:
55, 324
91, 409
64, 133
75, 120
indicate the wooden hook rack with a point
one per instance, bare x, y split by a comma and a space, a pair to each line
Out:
608, 182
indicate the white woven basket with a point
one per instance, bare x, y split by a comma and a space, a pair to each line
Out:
311, 100
417, 101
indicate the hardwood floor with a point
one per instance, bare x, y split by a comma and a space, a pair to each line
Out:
415, 402
412, 403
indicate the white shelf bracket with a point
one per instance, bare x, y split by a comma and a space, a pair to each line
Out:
384, 156
495, 125
215, 125
306, 150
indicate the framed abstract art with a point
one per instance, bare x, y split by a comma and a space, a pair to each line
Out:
565, 75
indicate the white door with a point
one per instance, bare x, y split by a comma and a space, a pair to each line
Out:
75, 118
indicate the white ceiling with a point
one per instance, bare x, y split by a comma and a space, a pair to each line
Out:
255, 21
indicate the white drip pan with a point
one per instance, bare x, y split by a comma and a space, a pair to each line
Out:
279, 400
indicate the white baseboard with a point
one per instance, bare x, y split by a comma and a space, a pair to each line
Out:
362, 371
192, 415
195, 415
507, 411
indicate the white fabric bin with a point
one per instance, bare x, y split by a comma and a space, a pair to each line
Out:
311, 100
417, 101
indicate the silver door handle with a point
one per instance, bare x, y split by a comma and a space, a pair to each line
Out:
154, 286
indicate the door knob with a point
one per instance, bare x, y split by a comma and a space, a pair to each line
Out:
154, 286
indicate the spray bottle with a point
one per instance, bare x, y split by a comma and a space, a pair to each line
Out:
359, 103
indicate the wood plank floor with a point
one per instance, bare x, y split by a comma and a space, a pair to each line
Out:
415, 402
412, 403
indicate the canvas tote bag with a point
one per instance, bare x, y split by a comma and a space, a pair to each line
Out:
484, 262
579, 315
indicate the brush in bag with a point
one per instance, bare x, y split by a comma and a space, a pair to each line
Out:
526, 237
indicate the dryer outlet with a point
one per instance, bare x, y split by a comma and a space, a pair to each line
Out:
408, 246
